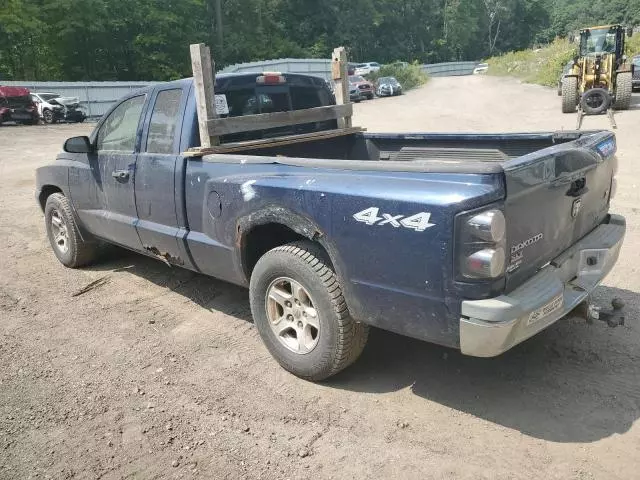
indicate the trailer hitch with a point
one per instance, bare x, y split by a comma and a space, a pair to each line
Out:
613, 316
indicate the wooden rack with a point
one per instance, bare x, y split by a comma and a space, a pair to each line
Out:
212, 127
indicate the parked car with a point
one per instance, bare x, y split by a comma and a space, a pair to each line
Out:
351, 68
366, 68
16, 105
363, 85
53, 107
635, 68
388, 87
354, 93
448, 238
565, 71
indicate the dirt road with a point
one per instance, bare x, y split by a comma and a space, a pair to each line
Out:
160, 373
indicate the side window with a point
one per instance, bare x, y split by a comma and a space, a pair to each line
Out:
164, 121
118, 132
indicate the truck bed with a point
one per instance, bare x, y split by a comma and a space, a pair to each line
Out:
412, 152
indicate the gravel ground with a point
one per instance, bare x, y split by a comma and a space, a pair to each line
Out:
160, 373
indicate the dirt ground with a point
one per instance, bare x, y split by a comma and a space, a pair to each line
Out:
160, 373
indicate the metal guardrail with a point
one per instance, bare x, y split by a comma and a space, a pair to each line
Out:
450, 69
318, 67
322, 68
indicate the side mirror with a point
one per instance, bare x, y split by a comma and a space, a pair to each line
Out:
78, 145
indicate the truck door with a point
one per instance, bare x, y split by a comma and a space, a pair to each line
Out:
159, 179
105, 200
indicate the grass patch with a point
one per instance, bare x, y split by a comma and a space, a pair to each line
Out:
409, 75
541, 65
544, 65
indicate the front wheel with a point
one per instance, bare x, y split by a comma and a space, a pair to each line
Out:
68, 244
624, 89
300, 312
47, 116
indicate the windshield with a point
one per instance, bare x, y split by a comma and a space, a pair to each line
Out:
636, 61
356, 79
599, 40
48, 96
391, 80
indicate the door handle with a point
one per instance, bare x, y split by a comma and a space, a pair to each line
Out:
120, 174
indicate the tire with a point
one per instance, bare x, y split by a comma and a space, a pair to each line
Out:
64, 236
595, 101
569, 95
624, 88
370, 96
339, 339
47, 116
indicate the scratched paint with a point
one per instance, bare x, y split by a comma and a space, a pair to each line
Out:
247, 190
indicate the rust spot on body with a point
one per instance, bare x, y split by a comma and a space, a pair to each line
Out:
166, 257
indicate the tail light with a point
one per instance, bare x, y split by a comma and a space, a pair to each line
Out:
614, 182
270, 78
480, 244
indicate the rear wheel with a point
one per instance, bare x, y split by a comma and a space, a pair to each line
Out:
624, 87
301, 314
569, 94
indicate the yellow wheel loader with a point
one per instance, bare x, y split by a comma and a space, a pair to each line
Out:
601, 76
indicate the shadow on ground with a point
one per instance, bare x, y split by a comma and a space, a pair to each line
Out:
571, 383
209, 293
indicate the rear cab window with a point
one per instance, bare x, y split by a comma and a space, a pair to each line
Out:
244, 96
164, 121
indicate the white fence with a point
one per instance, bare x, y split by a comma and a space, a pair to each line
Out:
96, 97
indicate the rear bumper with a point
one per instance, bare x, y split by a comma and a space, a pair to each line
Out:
491, 327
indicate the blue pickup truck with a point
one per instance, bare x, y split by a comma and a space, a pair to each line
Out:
476, 242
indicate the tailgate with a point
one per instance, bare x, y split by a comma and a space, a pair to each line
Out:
555, 197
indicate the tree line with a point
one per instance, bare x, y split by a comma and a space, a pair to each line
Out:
149, 39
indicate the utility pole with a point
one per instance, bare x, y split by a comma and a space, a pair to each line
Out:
218, 14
